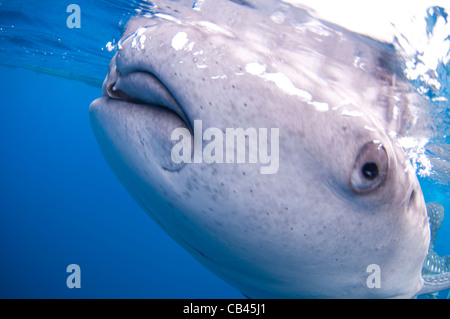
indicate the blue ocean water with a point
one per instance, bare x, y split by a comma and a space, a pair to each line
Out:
60, 203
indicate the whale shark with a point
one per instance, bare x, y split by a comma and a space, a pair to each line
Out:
342, 216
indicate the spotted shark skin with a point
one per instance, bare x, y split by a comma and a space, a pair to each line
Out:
311, 229
435, 268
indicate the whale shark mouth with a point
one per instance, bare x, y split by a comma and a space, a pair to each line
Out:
137, 113
144, 88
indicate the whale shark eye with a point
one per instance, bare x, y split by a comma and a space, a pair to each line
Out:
370, 169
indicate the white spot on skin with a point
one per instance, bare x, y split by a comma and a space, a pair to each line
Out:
278, 17
198, 5
140, 31
392, 134
358, 64
142, 40
370, 128
214, 28
190, 47
180, 40
255, 68
138, 39
395, 112
349, 113
345, 102
285, 84
166, 17
316, 27
320, 106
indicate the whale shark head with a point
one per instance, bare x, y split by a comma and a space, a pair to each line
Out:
266, 147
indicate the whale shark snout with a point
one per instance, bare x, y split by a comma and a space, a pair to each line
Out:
328, 102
